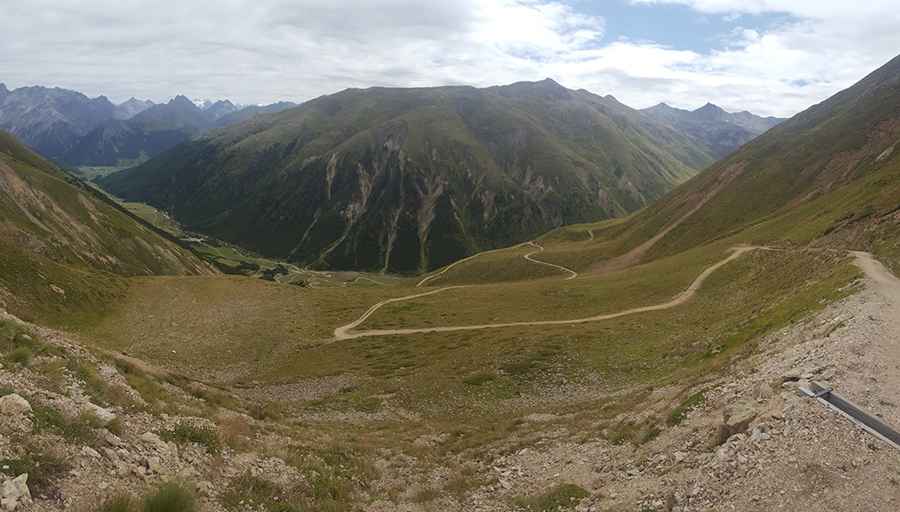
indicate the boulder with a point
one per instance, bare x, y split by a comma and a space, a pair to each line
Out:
14, 405
15, 493
735, 421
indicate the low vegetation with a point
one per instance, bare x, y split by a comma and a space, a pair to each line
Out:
558, 498
186, 432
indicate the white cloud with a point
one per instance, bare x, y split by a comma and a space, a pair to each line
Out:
266, 50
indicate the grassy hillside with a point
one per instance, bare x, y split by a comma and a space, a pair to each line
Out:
407, 180
830, 168
64, 246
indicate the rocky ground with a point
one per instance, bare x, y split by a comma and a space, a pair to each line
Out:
79, 427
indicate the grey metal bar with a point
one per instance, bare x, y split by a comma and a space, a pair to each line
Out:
870, 423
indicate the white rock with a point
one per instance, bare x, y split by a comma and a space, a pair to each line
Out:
15, 492
12, 405
104, 415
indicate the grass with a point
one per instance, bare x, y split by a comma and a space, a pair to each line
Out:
119, 503
250, 492
171, 497
184, 433
167, 497
557, 498
77, 430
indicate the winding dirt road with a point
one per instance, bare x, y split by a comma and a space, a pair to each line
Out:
540, 248
347, 332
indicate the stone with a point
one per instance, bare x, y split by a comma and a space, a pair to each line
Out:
735, 422
680, 457
90, 452
154, 441
15, 492
105, 416
14, 405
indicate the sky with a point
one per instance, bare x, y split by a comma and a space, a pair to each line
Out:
772, 57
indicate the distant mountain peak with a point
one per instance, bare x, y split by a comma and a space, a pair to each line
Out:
182, 101
710, 108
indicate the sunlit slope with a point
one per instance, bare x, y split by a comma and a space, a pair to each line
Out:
61, 244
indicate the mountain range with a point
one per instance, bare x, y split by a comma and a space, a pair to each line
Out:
406, 180
721, 131
75, 130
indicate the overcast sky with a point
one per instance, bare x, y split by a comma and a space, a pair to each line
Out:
773, 57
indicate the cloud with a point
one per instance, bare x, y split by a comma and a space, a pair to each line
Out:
256, 51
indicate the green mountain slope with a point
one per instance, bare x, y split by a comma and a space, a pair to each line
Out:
61, 243
830, 173
407, 180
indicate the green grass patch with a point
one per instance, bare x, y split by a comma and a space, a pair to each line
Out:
557, 498
77, 430
189, 433
171, 497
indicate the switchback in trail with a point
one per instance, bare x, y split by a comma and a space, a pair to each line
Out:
347, 332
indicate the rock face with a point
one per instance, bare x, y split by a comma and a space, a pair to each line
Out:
408, 180
52, 120
15, 494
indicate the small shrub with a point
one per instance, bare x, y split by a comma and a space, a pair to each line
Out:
21, 356
560, 497
170, 497
188, 433
116, 426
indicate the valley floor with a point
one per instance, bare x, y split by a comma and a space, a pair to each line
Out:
745, 440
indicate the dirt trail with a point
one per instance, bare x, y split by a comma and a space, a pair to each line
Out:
345, 332
540, 248
528, 257
634, 256
455, 263
887, 287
